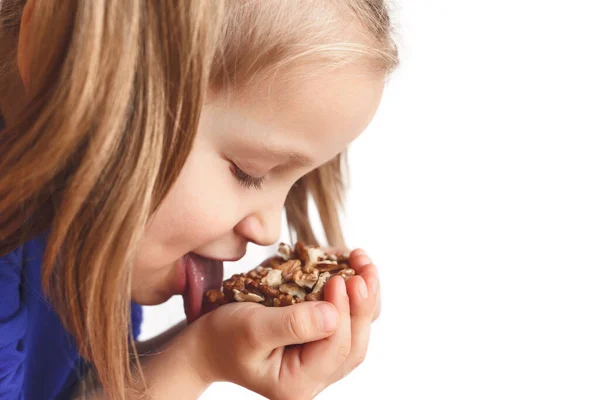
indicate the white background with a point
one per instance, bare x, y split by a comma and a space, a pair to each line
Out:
476, 190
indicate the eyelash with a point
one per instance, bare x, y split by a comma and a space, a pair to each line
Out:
246, 180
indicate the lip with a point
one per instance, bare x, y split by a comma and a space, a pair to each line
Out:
223, 259
181, 274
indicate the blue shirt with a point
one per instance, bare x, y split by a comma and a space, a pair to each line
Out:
38, 358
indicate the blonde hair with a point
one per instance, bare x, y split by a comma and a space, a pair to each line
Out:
114, 98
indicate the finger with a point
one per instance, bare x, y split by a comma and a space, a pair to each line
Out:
361, 304
370, 276
324, 357
377, 311
368, 271
274, 327
361, 309
358, 260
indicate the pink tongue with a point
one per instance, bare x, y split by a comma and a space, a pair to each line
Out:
201, 275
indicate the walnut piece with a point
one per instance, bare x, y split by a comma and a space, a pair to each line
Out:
324, 277
346, 273
246, 296
309, 255
215, 297
284, 300
293, 289
285, 251
268, 291
323, 266
304, 279
258, 272
289, 268
315, 296
274, 278
317, 292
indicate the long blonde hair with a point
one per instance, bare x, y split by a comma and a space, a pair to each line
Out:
114, 97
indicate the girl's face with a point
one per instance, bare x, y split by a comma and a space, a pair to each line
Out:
247, 155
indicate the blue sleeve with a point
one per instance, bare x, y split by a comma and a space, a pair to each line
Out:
136, 319
13, 325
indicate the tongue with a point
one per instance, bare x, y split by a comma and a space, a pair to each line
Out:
202, 275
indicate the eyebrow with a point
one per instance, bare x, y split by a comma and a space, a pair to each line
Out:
292, 157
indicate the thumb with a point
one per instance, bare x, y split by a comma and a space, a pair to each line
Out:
299, 323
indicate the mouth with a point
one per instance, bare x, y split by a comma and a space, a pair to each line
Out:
201, 274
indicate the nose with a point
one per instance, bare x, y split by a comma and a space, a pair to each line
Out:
262, 228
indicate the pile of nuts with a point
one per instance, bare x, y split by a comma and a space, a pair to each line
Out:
295, 275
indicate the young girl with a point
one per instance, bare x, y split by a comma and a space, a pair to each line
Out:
147, 142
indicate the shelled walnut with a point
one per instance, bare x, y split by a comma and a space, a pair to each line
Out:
295, 275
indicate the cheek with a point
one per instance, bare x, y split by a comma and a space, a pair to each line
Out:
200, 208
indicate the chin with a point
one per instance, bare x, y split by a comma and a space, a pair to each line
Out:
151, 296
151, 287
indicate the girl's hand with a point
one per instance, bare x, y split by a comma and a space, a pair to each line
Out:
363, 266
361, 263
362, 311
250, 345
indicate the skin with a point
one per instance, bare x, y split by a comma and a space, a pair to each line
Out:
211, 213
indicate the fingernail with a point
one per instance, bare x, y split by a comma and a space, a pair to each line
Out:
327, 317
362, 289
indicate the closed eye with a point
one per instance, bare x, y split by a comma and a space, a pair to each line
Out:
246, 180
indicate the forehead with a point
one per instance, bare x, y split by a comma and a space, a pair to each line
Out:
318, 112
